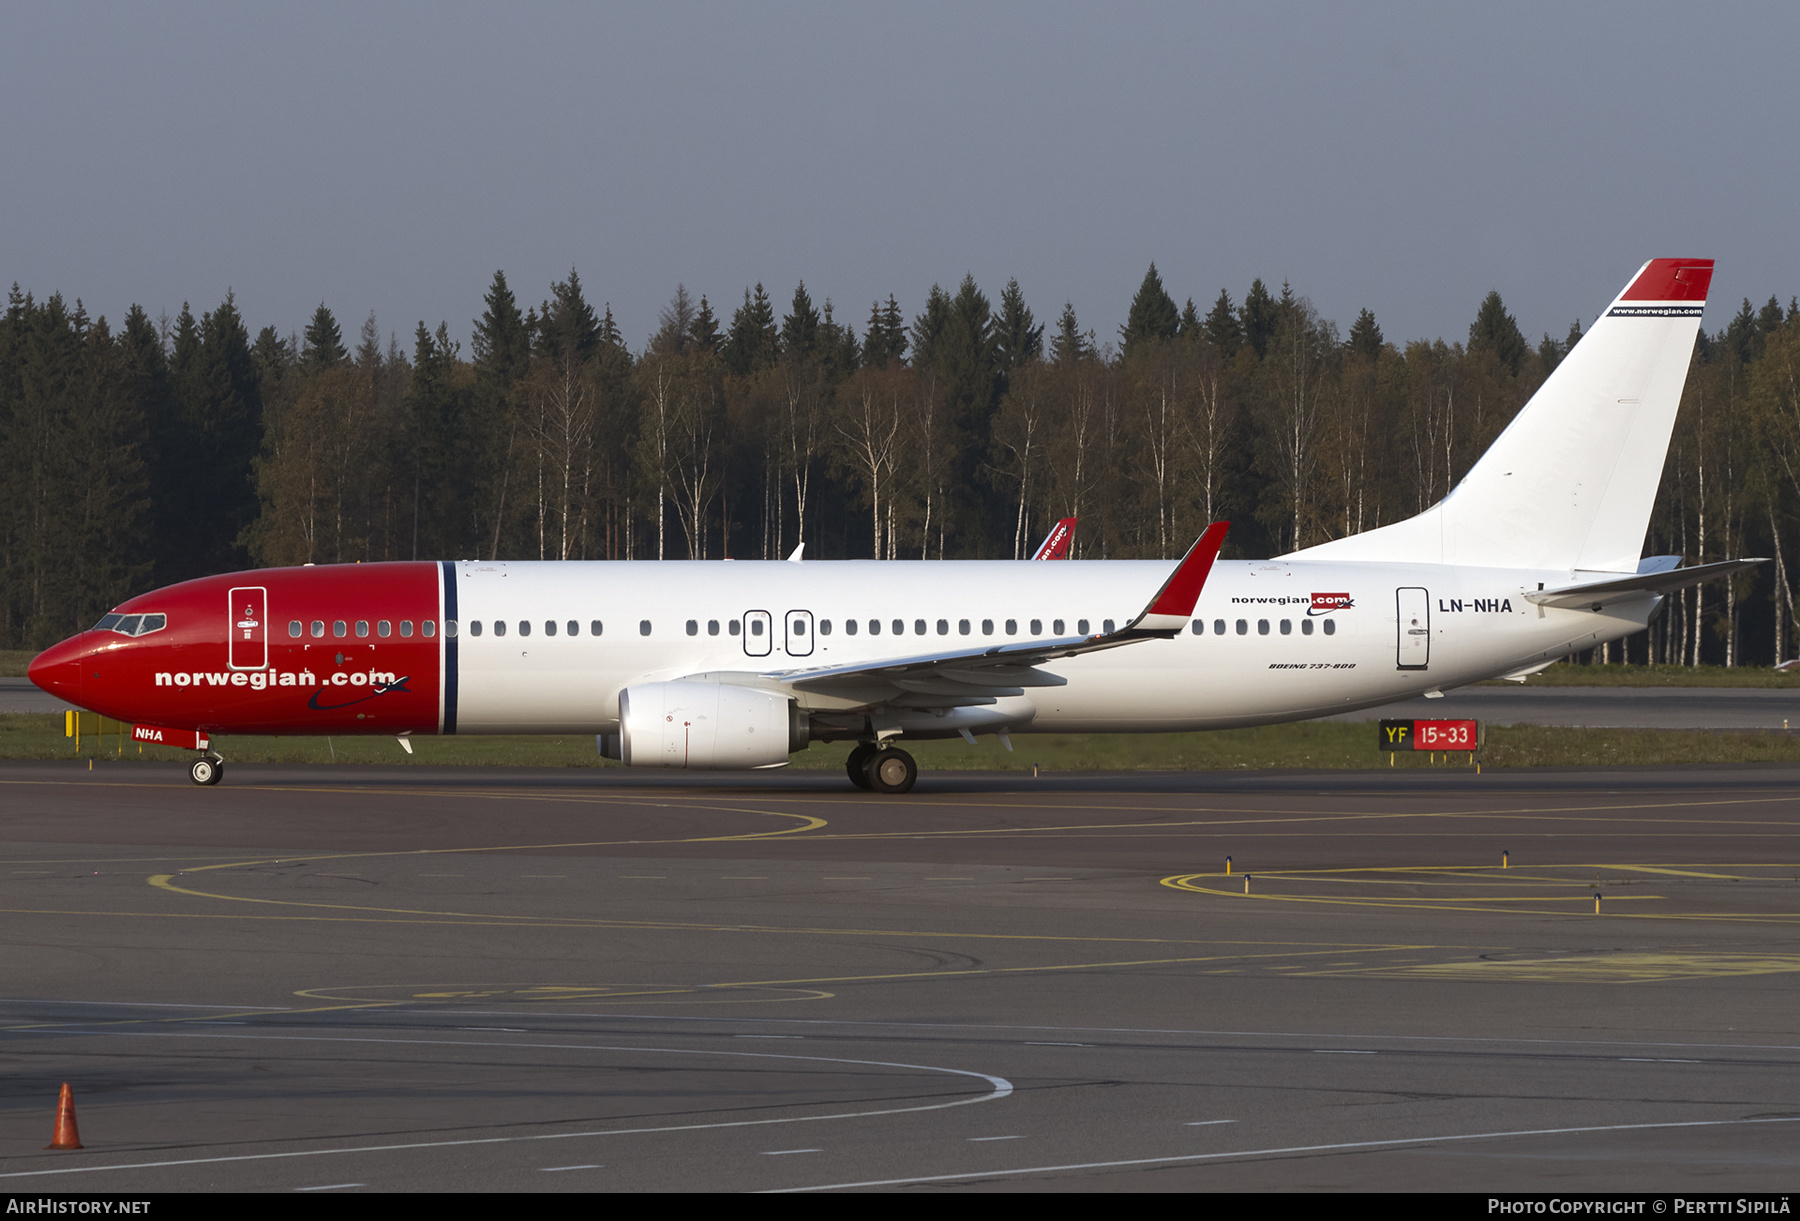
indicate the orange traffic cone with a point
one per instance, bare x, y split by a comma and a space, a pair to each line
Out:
66, 1136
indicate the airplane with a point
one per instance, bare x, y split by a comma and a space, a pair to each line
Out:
712, 665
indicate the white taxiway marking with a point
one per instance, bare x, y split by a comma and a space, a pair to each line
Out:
1205, 1123
785, 1152
331, 1187
976, 1138
585, 1166
1000, 1089
1275, 1152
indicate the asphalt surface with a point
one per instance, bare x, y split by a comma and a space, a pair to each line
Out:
510, 980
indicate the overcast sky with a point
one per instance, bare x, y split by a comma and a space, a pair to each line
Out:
1407, 158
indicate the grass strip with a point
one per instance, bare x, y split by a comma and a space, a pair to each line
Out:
1315, 744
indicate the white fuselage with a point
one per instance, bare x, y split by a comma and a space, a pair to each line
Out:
1266, 666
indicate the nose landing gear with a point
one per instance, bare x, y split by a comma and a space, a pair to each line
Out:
207, 769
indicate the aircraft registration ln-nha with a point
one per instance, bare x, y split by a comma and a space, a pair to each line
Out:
735, 665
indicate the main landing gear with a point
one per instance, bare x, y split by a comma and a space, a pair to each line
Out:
207, 769
882, 769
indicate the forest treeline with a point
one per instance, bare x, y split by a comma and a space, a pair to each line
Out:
165, 449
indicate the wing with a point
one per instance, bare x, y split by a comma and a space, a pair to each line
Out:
983, 675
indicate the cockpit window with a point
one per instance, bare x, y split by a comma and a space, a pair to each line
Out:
132, 625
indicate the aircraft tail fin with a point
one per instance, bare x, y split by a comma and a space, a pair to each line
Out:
1056, 544
1571, 482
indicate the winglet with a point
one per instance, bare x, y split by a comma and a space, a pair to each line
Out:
1169, 610
1056, 544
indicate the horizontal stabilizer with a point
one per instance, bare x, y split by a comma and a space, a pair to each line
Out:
1593, 595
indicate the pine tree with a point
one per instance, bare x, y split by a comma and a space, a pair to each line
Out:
1069, 344
566, 322
928, 326
324, 345
800, 328
885, 340
753, 341
502, 343
1018, 338
1365, 337
1223, 329
1153, 317
1259, 318
703, 332
1494, 330
1190, 322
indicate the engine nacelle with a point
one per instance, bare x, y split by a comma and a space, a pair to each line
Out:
707, 725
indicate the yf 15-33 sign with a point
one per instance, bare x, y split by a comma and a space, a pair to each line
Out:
1430, 735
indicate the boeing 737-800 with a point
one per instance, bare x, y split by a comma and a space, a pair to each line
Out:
735, 665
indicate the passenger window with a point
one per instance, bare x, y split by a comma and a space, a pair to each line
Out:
1056, 627
1219, 628
499, 627
643, 627
1037, 627
294, 629
339, 628
406, 627
1306, 627
1199, 627
712, 627
1012, 627
1330, 627
318, 627
798, 627
549, 627
962, 627
1262, 627
594, 627
824, 627
919, 627
474, 627
874, 627
574, 628
429, 628
1287, 627
362, 627
384, 629
1107, 626
987, 627
756, 627
524, 627
849, 627
732, 627
449, 628
1243, 627
1081, 627
693, 627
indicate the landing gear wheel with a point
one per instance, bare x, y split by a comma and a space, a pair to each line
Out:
857, 765
206, 770
892, 770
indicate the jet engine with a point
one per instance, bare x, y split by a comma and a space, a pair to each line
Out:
707, 726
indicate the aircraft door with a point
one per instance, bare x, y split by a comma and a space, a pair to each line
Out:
1413, 629
799, 626
246, 627
759, 633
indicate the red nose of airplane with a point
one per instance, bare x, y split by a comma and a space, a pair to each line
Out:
58, 669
